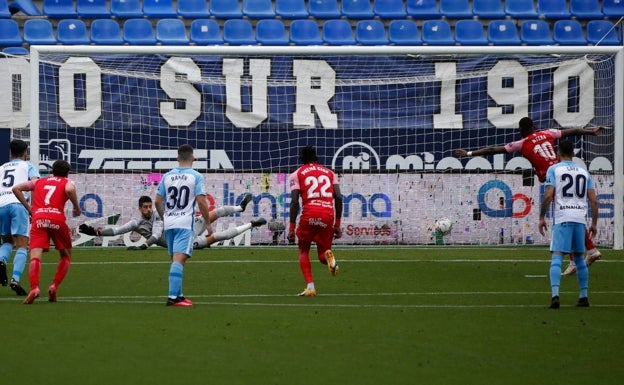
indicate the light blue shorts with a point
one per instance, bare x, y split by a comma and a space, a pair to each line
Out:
568, 237
180, 241
14, 220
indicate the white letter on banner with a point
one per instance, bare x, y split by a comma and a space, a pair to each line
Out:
233, 70
447, 118
516, 94
316, 83
585, 94
181, 89
93, 92
14, 72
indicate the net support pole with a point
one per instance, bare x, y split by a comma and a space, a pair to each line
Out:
618, 156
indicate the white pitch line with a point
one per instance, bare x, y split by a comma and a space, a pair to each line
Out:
345, 261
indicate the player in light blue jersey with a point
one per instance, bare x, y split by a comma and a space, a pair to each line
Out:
14, 219
569, 187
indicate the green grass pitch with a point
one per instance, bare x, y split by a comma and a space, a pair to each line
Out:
412, 315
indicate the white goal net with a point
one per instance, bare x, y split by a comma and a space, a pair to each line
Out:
387, 119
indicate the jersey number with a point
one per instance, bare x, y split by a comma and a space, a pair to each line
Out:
49, 191
178, 197
318, 187
574, 186
545, 150
9, 178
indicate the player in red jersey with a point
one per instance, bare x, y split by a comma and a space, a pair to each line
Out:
318, 188
49, 223
538, 147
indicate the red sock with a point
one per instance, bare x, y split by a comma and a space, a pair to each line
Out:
305, 265
589, 244
61, 271
34, 269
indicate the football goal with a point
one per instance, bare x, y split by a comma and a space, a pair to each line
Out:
386, 119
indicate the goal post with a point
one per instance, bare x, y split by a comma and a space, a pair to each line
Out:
387, 119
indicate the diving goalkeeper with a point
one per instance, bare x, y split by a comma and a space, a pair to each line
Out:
150, 226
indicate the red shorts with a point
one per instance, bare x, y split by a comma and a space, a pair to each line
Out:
43, 230
318, 228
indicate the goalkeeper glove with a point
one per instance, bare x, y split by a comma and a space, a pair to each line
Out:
86, 229
142, 247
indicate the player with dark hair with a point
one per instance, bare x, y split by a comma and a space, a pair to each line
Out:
319, 190
14, 221
569, 186
150, 226
49, 223
538, 147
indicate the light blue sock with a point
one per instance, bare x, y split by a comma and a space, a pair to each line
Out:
19, 262
555, 273
5, 251
582, 274
176, 273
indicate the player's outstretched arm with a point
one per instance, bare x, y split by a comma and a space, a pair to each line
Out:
593, 131
491, 150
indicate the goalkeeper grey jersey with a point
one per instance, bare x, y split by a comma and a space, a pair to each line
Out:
150, 229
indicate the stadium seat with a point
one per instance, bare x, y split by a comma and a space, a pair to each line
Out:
403, 32
258, 9
93, 9
205, 32
126, 9
72, 32
10, 35
338, 32
603, 32
171, 32
488, 9
553, 9
4, 9
291, 9
193, 9
138, 32
226, 9
423, 9
305, 32
371, 32
520, 9
324, 9
569, 32
390, 9
59, 9
27, 7
470, 32
437, 32
503, 32
15, 51
585, 9
455, 9
39, 31
613, 8
238, 32
106, 32
535, 32
271, 32
357, 9
159, 9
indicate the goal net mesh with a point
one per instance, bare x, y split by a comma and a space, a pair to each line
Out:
388, 125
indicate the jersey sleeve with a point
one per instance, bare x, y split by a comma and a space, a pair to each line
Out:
550, 176
125, 228
33, 172
514, 146
556, 134
199, 184
293, 181
157, 230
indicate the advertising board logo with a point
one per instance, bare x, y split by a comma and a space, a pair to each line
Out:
356, 156
153, 159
